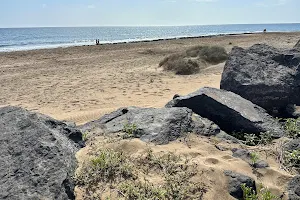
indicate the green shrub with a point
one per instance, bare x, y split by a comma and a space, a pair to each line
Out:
292, 126
262, 194
118, 173
254, 139
85, 136
292, 159
254, 158
251, 139
141, 190
265, 138
130, 130
176, 184
107, 166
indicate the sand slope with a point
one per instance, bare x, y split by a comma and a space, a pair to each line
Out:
211, 162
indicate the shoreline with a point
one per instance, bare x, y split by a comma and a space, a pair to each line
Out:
148, 41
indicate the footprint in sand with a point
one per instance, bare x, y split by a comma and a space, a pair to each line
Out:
211, 161
227, 157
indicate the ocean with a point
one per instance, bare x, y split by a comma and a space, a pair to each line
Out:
17, 39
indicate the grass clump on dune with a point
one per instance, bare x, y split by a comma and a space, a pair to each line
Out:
108, 166
211, 54
194, 59
113, 175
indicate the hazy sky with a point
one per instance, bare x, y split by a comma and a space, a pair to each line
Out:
31, 13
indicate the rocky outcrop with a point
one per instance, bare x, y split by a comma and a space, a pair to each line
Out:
235, 181
230, 111
264, 75
154, 125
37, 156
294, 188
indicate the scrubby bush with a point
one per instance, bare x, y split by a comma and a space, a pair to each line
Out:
262, 194
211, 54
182, 66
254, 158
126, 177
107, 166
292, 126
292, 160
130, 130
194, 59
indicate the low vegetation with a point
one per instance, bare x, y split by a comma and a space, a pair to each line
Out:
194, 59
262, 194
292, 126
126, 177
210, 54
254, 158
130, 130
254, 139
107, 166
291, 160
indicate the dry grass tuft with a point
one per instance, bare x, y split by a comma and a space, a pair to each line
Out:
194, 59
125, 177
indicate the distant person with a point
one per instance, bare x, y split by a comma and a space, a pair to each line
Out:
265, 30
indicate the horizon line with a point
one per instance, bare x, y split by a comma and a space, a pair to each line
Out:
181, 25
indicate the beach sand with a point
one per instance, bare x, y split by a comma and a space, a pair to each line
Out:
83, 83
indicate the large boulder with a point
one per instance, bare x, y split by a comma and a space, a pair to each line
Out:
235, 181
158, 125
37, 156
294, 188
264, 75
230, 111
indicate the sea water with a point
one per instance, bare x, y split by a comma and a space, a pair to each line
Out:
16, 39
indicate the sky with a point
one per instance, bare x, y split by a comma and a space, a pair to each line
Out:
44, 13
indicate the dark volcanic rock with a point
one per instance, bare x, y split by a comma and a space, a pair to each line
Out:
292, 145
37, 156
264, 75
224, 136
245, 155
155, 125
235, 181
293, 111
230, 111
294, 188
297, 46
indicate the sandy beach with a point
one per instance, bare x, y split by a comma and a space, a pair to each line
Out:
83, 83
